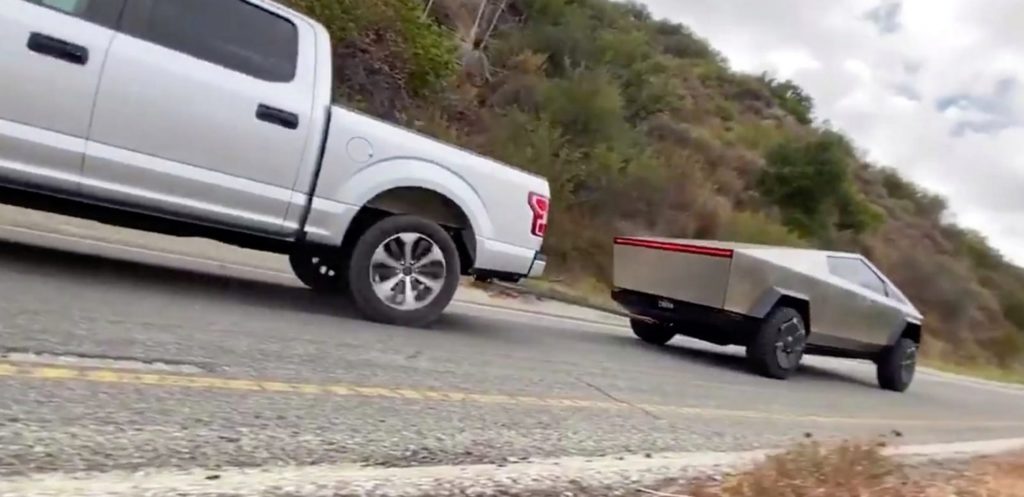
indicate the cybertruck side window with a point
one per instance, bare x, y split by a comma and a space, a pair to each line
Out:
856, 272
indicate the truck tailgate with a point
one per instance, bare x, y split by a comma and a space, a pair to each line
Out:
695, 273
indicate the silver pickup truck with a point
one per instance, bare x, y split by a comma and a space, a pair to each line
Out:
777, 302
214, 119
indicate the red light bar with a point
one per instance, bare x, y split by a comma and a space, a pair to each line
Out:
674, 247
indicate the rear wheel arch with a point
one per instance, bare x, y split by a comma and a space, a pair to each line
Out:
424, 203
382, 182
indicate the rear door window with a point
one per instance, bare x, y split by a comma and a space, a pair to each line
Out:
102, 12
234, 34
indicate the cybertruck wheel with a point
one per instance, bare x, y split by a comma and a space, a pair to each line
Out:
404, 270
897, 365
778, 346
653, 333
320, 271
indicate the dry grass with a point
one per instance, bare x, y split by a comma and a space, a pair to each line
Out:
1003, 477
860, 470
983, 371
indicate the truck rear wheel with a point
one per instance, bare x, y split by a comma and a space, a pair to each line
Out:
777, 348
404, 270
897, 365
319, 271
653, 333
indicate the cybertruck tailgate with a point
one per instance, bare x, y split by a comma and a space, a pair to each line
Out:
685, 270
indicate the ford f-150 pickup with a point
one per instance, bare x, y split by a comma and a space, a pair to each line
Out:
214, 119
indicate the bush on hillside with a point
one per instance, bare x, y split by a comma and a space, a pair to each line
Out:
810, 181
792, 98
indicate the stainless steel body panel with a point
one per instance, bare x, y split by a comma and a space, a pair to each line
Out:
758, 279
699, 279
751, 280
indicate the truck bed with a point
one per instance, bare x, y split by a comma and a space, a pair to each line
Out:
732, 277
683, 270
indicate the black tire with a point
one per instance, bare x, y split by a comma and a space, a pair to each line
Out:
366, 300
653, 333
776, 349
321, 272
897, 364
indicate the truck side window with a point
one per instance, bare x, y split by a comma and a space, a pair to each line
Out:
102, 12
234, 34
856, 272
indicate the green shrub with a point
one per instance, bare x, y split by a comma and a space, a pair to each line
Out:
588, 106
810, 181
753, 227
757, 136
803, 179
678, 41
791, 98
856, 213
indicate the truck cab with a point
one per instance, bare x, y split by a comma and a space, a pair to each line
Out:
215, 119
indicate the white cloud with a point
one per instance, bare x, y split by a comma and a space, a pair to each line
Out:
934, 88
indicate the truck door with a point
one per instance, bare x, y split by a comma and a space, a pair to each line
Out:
864, 314
51, 57
203, 112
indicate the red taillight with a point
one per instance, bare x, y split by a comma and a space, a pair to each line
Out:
539, 205
674, 247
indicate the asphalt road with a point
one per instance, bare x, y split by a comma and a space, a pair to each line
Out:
248, 369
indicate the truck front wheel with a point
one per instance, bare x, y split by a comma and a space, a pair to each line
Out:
897, 364
321, 272
778, 346
404, 270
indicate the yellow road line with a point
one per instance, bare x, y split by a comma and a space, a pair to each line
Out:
54, 373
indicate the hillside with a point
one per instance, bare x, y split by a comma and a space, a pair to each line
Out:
642, 128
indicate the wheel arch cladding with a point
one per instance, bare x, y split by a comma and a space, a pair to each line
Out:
774, 298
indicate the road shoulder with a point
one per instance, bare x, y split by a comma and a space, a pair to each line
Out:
572, 476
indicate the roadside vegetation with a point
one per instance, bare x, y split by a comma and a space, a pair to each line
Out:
643, 129
859, 470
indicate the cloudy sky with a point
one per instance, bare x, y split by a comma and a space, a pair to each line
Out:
930, 87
